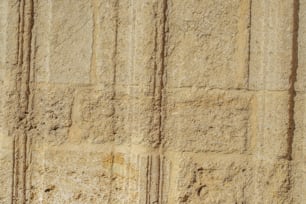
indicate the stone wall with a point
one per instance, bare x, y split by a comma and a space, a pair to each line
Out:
153, 101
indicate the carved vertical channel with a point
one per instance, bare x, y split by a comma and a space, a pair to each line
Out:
21, 142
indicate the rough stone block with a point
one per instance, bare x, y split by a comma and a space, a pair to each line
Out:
70, 176
207, 121
93, 116
272, 182
6, 152
92, 176
137, 113
52, 114
203, 179
208, 43
6, 170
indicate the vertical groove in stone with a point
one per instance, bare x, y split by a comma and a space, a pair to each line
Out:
160, 178
162, 107
23, 92
148, 180
160, 52
115, 10
162, 77
293, 78
292, 96
147, 73
15, 179
114, 57
111, 177
159, 65
299, 140
249, 44
93, 71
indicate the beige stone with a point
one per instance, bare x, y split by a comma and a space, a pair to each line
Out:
206, 38
225, 127
152, 101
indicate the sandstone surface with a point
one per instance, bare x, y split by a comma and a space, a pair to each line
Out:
153, 101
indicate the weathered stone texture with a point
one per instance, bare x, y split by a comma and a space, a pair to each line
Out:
212, 179
152, 101
206, 38
3, 33
271, 44
223, 129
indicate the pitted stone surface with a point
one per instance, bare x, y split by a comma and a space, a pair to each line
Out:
152, 101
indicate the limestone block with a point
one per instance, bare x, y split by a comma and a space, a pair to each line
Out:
272, 182
95, 176
299, 148
105, 39
143, 130
301, 48
122, 123
125, 39
271, 42
3, 38
52, 114
6, 152
207, 121
69, 26
204, 179
2, 108
272, 125
42, 28
92, 116
69, 176
6, 170
11, 47
208, 43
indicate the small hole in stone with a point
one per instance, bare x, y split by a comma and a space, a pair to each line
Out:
49, 189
